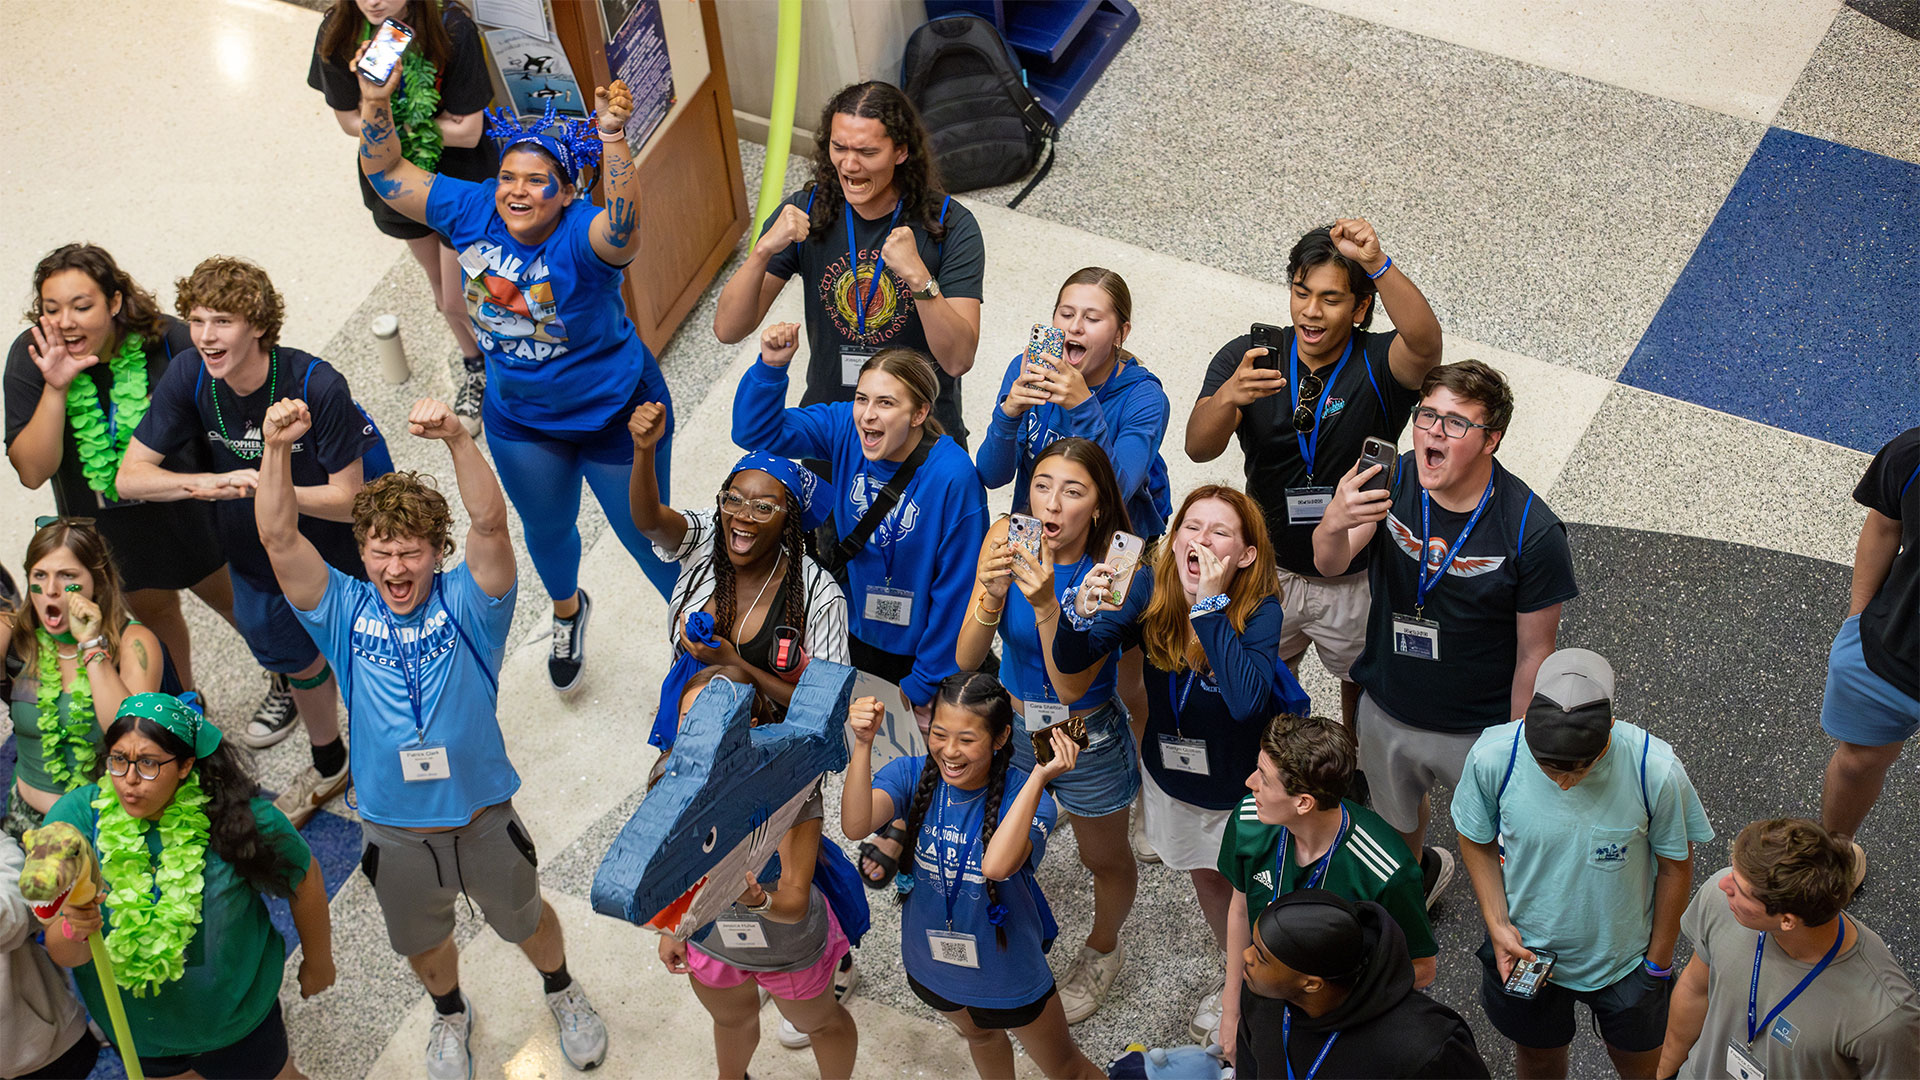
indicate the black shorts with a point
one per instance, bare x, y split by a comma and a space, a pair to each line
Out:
1632, 1012
166, 545
984, 1019
261, 1052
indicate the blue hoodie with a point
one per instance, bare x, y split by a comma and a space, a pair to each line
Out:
928, 545
1127, 416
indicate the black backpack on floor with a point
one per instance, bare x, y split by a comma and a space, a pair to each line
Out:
986, 127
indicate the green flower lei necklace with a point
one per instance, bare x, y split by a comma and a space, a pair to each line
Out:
155, 914
100, 453
56, 737
414, 106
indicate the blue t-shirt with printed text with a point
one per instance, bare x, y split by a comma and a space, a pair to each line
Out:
458, 688
1006, 978
1579, 865
549, 316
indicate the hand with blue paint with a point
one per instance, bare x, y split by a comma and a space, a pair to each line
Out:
370, 90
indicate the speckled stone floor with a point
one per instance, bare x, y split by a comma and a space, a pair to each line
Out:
1628, 239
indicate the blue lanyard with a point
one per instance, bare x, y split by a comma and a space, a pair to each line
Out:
1085, 565
951, 886
407, 670
1427, 580
1319, 869
1310, 448
1179, 700
1286, 1025
853, 267
1753, 988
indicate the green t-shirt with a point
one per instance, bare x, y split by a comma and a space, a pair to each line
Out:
1371, 863
25, 710
234, 960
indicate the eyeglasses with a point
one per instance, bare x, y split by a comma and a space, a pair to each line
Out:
1305, 415
1454, 427
148, 768
755, 510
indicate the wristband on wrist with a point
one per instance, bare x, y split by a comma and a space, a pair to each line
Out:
89, 657
1388, 265
1656, 970
97, 641
621, 136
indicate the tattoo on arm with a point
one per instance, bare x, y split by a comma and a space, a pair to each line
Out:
140, 654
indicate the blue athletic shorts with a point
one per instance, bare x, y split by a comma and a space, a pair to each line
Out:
1860, 707
277, 637
1106, 775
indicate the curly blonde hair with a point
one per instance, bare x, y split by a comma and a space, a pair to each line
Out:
237, 287
403, 504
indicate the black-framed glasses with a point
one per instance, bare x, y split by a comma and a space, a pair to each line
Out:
148, 768
1453, 427
1306, 414
755, 510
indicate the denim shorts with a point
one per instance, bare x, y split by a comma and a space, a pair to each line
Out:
1105, 777
1860, 707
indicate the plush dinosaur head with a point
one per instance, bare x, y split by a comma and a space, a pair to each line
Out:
60, 866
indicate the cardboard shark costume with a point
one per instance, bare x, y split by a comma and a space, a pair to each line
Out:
730, 793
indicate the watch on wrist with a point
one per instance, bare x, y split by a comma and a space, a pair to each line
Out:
928, 291
97, 641
763, 906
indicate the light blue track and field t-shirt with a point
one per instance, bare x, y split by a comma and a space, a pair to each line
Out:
1580, 864
562, 353
459, 689
1006, 978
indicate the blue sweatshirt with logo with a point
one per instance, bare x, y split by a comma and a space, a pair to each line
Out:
927, 546
1127, 415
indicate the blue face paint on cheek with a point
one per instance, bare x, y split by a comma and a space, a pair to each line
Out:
552, 190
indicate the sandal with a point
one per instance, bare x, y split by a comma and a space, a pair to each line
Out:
889, 865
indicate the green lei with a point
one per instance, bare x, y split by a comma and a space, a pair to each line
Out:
100, 454
154, 914
56, 737
414, 106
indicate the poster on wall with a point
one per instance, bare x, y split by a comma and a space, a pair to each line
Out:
536, 72
637, 55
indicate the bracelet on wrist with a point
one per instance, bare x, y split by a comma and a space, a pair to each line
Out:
89, 657
983, 622
618, 136
97, 641
1052, 614
1656, 970
1384, 267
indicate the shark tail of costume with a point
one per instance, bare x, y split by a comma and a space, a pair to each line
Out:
729, 794
60, 869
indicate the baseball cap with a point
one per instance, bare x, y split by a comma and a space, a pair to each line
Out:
1571, 716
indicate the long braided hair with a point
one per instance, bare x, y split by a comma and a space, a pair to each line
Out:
916, 180
983, 696
725, 600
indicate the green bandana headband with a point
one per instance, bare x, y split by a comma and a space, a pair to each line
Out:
199, 733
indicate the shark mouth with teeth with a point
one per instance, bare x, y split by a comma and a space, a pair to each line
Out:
730, 793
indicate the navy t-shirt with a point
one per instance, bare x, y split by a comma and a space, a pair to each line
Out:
948, 849
1890, 625
1364, 400
1516, 560
958, 263
184, 411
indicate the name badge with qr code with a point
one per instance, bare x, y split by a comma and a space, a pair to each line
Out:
1045, 713
425, 763
893, 606
950, 947
851, 361
1741, 1064
1307, 505
1184, 755
1418, 638
741, 933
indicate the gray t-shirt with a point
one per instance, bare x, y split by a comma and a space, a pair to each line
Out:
1861, 1017
789, 946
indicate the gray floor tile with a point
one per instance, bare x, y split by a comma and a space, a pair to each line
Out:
1861, 88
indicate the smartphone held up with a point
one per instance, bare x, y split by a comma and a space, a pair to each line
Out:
383, 53
1382, 453
1046, 346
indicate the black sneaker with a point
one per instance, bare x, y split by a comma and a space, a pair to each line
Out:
467, 399
273, 721
1436, 872
569, 647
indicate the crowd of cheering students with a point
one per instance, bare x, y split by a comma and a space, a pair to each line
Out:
200, 453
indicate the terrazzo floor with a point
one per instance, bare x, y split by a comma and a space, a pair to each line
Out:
1553, 202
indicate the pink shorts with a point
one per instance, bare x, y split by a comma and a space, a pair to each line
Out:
803, 985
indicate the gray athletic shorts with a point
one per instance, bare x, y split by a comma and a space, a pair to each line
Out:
417, 876
1404, 762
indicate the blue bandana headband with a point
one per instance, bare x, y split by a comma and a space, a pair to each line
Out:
575, 144
814, 495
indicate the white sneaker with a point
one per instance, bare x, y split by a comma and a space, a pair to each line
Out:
1089, 979
583, 1035
1206, 1019
844, 981
309, 792
447, 1056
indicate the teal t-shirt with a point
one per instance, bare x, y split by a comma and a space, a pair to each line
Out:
1579, 864
234, 961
